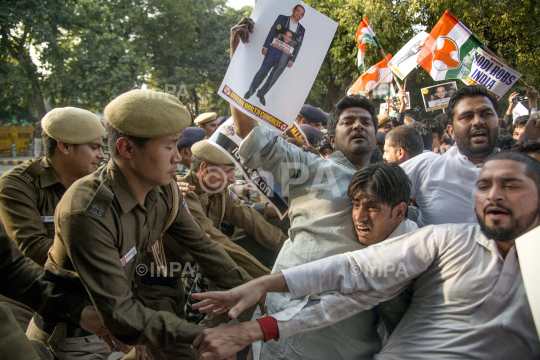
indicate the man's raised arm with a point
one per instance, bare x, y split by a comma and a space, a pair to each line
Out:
242, 123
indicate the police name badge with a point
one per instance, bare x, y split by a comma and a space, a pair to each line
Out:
130, 254
47, 219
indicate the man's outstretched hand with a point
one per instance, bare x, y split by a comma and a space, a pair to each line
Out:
241, 31
242, 297
224, 341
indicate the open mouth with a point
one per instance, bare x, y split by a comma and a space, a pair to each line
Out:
479, 135
357, 136
496, 212
362, 230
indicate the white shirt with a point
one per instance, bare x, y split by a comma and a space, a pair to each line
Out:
321, 225
468, 301
333, 307
444, 187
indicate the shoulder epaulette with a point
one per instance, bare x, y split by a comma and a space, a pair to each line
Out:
31, 173
102, 199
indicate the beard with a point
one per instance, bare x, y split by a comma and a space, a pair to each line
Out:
516, 228
466, 147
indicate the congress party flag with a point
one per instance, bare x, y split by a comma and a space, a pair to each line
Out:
379, 73
449, 50
364, 35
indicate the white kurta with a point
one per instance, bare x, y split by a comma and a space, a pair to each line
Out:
444, 187
468, 301
321, 225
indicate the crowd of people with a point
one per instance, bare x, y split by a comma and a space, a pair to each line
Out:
399, 241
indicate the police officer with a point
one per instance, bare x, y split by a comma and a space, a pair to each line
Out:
213, 203
313, 116
107, 221
189, 136
208, 122
30, 192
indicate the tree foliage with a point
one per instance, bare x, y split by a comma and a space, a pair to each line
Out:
507, 27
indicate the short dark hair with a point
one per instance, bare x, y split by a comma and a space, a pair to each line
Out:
529, 147
425, 134
505, 141
350, 101
300, 6
443, 120
521, 121
196, 162
115, 134
434, 126
465, 92
323, 143
49, 144
532, 166
383, 183
376, 156
406, 137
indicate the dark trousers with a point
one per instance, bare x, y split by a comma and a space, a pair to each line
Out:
277, 65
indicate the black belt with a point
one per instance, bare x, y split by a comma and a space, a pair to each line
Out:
72, 331
159, 280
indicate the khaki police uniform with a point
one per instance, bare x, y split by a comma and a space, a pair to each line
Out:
212, 210
102, 233
22, 279
29, 194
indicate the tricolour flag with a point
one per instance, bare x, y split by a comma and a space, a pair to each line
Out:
364, 35
371, 77
449, 50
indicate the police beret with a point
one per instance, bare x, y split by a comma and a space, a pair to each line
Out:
205, 117
312, 114
311, 133
72, 125
221, 120
210, 153
190, 136
147, 114
383, 118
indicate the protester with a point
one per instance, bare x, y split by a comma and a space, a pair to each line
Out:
208, 122
437, 130
444, 185
425, 134
445, 315
401, 144
110, 218
320, 209
324, 147
519, 126
444, 121
531, 148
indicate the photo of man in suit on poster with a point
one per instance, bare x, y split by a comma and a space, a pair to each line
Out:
280, 50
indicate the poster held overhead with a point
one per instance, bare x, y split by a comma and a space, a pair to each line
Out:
438, 96
270, 77
490, 71
406, 59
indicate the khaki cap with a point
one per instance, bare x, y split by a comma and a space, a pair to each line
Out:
204, 118
147, 114
383, 118
205, 151
72, 125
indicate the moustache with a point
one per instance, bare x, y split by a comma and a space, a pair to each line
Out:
499, 206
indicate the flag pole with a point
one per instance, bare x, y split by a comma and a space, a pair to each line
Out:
394, 76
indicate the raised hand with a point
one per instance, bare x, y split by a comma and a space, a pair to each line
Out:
532, 129
239, 32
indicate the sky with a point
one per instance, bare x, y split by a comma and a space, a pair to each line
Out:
238, 4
